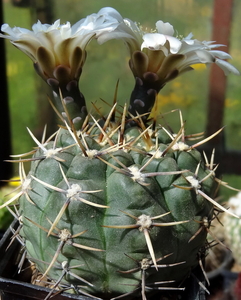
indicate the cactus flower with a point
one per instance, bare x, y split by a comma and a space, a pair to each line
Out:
59, 52
50, 46
162, 47
159, 56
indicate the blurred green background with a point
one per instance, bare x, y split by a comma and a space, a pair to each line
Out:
109, 62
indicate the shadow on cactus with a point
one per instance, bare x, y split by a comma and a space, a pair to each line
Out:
115, 206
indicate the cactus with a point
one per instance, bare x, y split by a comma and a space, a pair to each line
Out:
232, 227
115, 206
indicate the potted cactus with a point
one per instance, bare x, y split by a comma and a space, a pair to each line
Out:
115, 207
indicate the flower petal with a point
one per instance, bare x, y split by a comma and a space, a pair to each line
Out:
140, 63
221, 54
29, 47
169, 64
164, 28
76, 61
205, 57
155, 59
46, 61
226, 67
153, 41
175, 44
109, 11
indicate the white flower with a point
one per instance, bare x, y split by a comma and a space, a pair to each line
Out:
166, 55
158, 57
50, 46
59, 52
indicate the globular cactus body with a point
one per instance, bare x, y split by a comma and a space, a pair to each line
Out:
131, 200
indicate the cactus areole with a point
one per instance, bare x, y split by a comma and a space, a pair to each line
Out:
117, 206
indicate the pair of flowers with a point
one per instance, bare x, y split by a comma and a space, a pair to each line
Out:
159, 52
